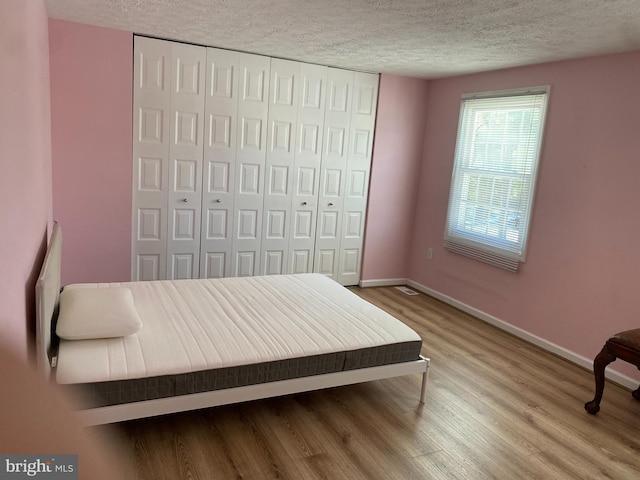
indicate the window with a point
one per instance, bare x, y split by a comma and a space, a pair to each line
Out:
494, 174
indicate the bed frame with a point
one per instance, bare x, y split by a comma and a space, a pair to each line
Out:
47, 301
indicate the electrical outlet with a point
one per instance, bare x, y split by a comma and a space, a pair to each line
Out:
429, 253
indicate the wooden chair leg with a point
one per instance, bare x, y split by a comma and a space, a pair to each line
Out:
601, 361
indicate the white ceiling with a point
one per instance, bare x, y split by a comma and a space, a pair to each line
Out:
423, 38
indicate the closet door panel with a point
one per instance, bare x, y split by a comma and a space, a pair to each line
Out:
325, 262
281, 135
245, 263
357, 176
214, 265
185, 167
306, 169
151, 112
335, 155
219, 184
251, 141
182, 265
148, 266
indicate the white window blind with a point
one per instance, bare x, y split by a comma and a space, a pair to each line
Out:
494, 174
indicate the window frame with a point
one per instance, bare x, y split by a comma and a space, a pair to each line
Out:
481, 246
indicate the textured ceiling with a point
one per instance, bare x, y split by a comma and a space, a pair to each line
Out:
423, 38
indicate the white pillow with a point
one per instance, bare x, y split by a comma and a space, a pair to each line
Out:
87, 313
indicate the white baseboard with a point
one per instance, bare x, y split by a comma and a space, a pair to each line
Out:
390, 282
573, 357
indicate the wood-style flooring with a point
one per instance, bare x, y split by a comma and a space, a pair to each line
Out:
496, 407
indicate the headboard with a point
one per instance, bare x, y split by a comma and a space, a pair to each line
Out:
47, 300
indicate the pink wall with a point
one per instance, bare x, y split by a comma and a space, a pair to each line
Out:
580, 282
25, 166
91, 92
397, 154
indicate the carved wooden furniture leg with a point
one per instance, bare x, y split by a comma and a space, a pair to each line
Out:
624, 346
601, 361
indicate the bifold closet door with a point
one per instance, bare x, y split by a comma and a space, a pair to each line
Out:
306, 172
337, 122
185, 166
219, 185
151, 107
251, 148
296, 116
349, 126
167, 149
281, 143
356, 188
234, 163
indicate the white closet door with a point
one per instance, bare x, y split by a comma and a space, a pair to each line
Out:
363, 116
221, 117
250, 163
247, 165
185, 153
306, 172
281, 135
333, 170
151, 107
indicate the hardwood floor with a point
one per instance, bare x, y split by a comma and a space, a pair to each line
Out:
496, 407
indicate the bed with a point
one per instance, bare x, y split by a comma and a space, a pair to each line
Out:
191, 344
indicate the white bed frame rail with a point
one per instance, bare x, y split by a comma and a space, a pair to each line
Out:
48, 298
194, 401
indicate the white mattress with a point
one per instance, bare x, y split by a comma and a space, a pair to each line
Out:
193, 325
